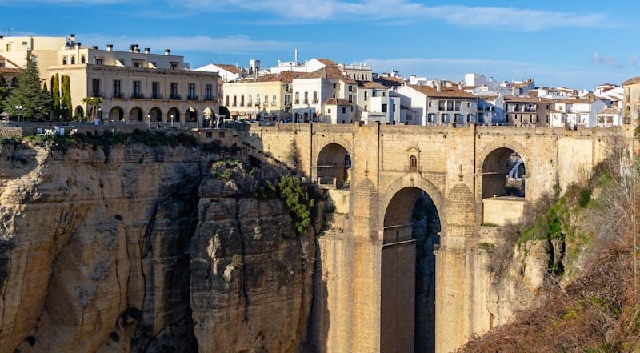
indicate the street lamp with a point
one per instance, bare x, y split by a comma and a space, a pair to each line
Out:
172, 117
19, 109
100, 113
149, 120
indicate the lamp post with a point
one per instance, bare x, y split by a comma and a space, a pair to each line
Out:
149, 120
172, 117
19, 109
100, 113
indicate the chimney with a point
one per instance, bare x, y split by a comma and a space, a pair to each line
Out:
135, 48
72, 37
94, 47
109, 47
147, 50
131, 48
167, 51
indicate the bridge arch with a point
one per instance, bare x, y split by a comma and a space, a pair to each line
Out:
410, 232
502, 167
332, 163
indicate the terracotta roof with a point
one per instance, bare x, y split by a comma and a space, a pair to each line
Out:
444, 92
328, 62
388, 81
337, 101
631, 81
332, 72
368, 84
231, 68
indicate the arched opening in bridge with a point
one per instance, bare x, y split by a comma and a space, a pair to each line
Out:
411, 232
333, 166
503, 174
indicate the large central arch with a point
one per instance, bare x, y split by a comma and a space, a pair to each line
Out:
410, 231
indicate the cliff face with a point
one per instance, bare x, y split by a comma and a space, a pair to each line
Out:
141, 250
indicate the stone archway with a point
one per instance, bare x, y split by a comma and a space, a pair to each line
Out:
136, 114
503, 171
411, 231
116, 113
173, 116
332, 165
155, 115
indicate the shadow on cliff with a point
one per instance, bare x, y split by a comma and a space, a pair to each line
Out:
16, 160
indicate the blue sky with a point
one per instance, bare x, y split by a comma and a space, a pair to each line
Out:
576, 43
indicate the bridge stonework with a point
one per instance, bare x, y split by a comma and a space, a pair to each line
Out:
388, 164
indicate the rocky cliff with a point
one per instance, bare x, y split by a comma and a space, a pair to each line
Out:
139, 249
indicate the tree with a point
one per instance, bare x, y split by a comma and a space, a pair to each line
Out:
3, 89
28, 99
92, 105
55, 94
65, 104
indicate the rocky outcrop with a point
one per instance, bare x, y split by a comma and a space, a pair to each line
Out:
138, 249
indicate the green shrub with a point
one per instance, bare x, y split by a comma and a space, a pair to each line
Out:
296, 197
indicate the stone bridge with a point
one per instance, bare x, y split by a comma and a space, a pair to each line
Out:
476, 176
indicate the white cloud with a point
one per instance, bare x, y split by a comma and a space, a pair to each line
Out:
228, 45
606, 61
320, 10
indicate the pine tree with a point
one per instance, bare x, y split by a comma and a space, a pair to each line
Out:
3, 89
65, 104
28, 100
55, 94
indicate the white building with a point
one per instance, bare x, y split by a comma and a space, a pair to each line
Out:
576, 112
228, 73
311, 90
438, 106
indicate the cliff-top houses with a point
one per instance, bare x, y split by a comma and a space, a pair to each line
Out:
144, 87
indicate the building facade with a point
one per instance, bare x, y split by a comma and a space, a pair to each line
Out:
134, 86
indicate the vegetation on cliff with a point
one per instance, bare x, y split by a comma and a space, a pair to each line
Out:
590, 300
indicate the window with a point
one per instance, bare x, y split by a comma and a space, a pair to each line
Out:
235, 101
174, 90
207, 93
413, 163
98, 62
192, 91
155, 90
117, 92
329, 111
365, 95
83, 59
384, 107
350, 98
73, 60
64, 60
350, 88
344, 110
250, 101
257, 99
296, 98
315, 97
274, 99
242, 100
226, 100
95, 87
306, 97
136, 89
174, 66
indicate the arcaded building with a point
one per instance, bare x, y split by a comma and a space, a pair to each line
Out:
135, 86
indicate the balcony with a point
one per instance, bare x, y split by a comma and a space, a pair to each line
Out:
175, 97
118, 95
137, 96
156, 96
193, 98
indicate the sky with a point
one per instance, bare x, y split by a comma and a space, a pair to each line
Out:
571, 43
